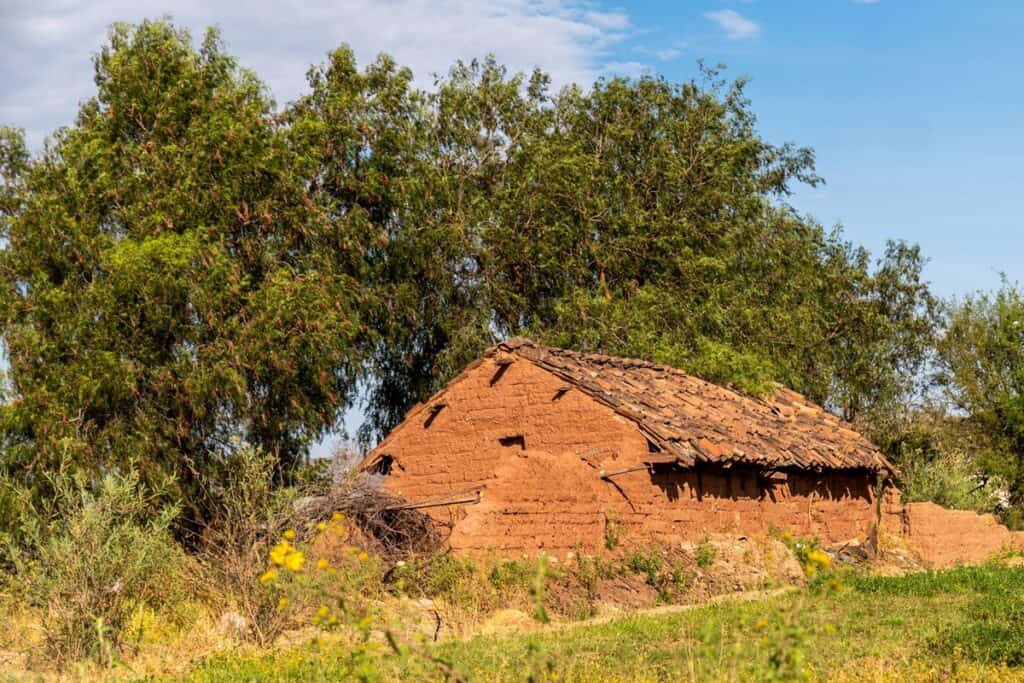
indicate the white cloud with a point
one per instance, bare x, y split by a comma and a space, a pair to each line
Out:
668, 54
735, 25
46, 45
628, 69
614, 20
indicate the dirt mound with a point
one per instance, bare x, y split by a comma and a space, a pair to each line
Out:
741, 564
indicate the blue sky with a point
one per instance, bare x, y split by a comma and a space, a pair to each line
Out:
915, 108
915, 111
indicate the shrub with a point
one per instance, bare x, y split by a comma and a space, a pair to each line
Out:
248, 515
947, 479
670, 579
649, 564
311, 582
109, 555
705, 553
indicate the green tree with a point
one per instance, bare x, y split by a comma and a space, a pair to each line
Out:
186, 264
639, 218
982, 369
169, 283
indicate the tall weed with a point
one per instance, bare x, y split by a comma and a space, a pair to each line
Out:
88, 573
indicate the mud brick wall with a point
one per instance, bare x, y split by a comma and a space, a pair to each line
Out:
525, 408
537, 502
680, 505
538, 447
949, 537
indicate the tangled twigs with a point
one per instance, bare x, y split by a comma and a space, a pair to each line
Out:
395, 532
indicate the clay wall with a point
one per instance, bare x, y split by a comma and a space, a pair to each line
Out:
680, 505
519, 434
949, 537
488, 415
555, 504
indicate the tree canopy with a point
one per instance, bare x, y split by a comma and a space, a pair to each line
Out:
639, 218
168, 283
188, 264
982, 369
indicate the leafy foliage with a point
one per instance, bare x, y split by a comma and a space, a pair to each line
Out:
639, 218
187, 263
982, 363
107, 556
168, 282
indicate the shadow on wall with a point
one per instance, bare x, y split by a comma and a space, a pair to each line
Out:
749, 483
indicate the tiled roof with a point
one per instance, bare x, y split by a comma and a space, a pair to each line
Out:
699, 422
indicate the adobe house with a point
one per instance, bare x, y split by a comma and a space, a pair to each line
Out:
537, 449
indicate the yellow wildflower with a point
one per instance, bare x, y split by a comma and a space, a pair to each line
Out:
293, 561
280, 551
761, 623
819, 558
289, 534
364, 556
323, 611
282, 603
269, 576
337, 517
321, 526
321, 563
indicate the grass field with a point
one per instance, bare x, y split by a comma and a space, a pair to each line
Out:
962, 624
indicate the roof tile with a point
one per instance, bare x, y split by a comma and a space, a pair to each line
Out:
702, 422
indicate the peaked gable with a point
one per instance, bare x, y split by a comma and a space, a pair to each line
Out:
699, 422
688, 420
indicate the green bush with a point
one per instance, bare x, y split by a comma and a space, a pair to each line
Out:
89, 572
248, 514
947, 479
705, 553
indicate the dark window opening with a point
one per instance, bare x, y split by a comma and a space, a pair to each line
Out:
560, 392
383, 466
502, 369
513, 441
434, 411
652, 447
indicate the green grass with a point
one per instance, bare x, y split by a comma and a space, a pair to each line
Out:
954, 625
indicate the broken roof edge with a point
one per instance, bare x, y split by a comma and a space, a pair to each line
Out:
688, 453
691, 451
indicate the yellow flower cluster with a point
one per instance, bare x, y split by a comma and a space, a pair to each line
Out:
284, 554
815, 561
321, 615
819, 558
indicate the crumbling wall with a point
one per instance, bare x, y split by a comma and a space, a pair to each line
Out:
949, 537
537, 502
540, 502
537, 448
674, 505
494, 410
